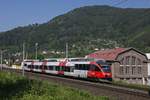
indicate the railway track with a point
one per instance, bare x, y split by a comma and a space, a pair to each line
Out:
113, 92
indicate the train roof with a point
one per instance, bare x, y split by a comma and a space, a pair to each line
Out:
80, 59
30, 60
73, 60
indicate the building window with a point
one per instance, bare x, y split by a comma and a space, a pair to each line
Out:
139, 70
127, 69
139, 62
133, 60
121, 70
127, 60
122, 61
133, 70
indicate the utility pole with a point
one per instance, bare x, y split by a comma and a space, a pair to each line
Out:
9, 60
1, 59
26, 55
66, 50
36, 46
23, 55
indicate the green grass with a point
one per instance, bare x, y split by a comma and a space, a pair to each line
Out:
133, 86
13, 87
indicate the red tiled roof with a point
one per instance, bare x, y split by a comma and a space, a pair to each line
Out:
108, 54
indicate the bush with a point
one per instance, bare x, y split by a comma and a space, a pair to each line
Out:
20, 88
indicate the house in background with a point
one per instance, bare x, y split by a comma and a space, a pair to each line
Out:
127, 64
148, 56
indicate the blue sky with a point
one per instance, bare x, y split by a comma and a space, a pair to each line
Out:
14, 13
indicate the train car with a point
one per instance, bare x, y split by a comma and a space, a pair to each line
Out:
72, 67
106, 69
28, 64
50, 66
54, 66
87, 68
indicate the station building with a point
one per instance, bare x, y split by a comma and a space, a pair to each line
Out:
148, 56
127, 64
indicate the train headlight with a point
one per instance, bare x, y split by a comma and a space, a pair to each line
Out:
107, 75
93, 73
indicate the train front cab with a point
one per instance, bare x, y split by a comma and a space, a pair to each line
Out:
107, 72
98, 71
27, 65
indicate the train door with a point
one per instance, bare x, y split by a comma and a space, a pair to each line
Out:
32, 66
55, 69
44, 67
61, 67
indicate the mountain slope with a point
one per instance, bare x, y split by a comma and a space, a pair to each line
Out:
85, 28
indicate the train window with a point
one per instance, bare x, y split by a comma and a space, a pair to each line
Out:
32, 66
97, 69
45, 67
71, 69
54, 67
94, 68
60, 68
76, 66
41, 66
36, 66
106, 68
81, 67
63, 68
50, 67
67, 69
57, 68
86, 66
29, 66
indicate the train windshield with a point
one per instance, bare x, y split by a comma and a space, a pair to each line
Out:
104, 65
106, 68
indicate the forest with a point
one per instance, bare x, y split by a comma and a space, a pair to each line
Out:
85, 29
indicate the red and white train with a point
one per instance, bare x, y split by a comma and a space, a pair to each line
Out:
73, 67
